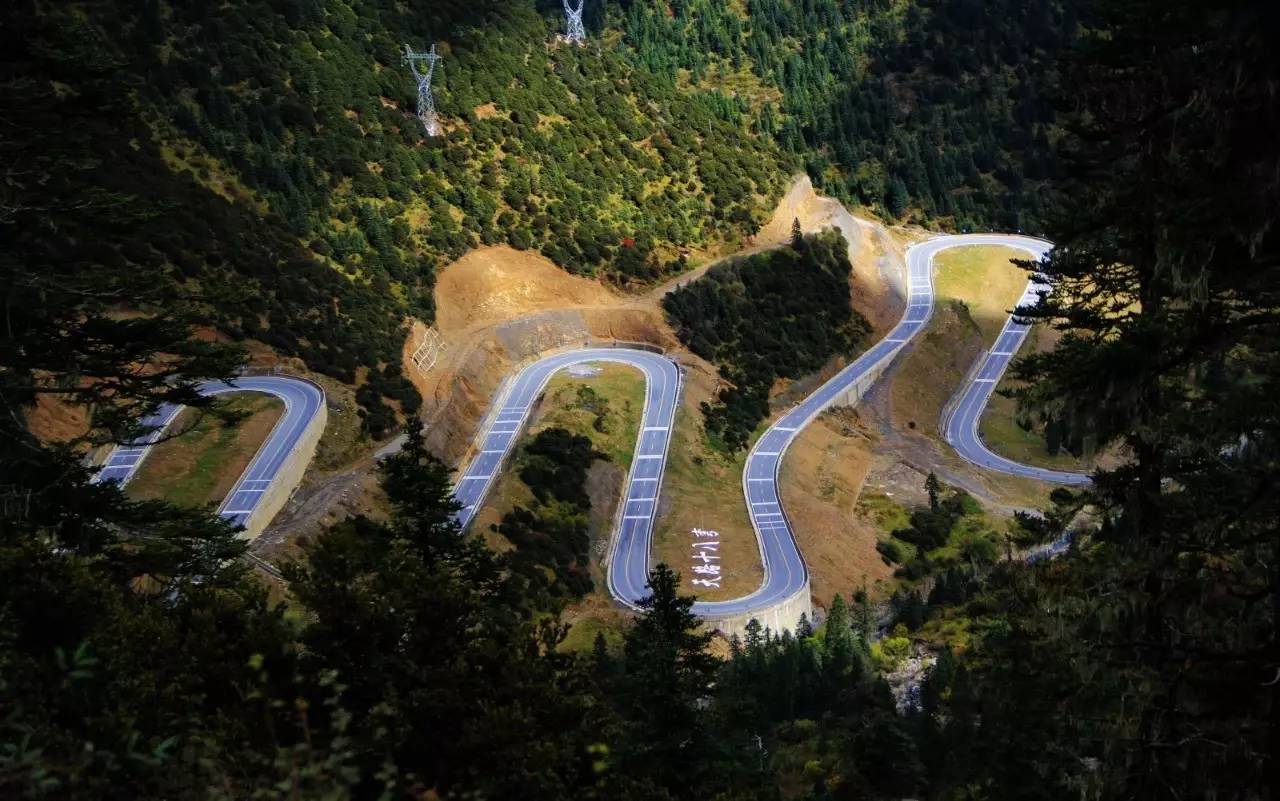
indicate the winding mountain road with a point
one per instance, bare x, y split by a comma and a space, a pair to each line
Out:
786, 578
631, 543
785, 573
302, 399
960, 429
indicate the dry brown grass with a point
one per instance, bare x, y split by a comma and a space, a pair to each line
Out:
976, 287
200, 466
985, 280
933, 368
493, 284
822, 477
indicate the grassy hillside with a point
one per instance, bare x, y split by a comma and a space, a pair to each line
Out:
264, 155
200, 466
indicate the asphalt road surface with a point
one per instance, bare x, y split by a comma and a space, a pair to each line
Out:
631, 544
785, 573
961, 427
302, 401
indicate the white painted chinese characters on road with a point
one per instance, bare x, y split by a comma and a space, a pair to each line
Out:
706, 559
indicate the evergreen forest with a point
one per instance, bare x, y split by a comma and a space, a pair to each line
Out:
778, 314
268, 163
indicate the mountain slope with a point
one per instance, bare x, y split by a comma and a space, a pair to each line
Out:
932, 109
274, 166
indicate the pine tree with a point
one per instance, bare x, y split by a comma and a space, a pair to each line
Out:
1166, 239
864, 614
933, 487
837, 641
601, 661
668, 678
898, 198
456, 625
803, 628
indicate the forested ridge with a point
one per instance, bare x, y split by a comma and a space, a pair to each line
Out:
934, 109
778, 314
271, 160
139, 659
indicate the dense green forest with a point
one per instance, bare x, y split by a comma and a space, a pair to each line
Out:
935, 109
778, 314
139, 659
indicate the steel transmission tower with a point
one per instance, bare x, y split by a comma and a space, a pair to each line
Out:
426, 103
574, 32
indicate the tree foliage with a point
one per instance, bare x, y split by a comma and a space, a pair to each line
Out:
778, 314
935, 109
1145, 666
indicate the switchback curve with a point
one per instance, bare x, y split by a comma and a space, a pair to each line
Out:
302, 399
631, 543
960, 426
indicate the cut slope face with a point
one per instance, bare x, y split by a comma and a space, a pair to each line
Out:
494, 284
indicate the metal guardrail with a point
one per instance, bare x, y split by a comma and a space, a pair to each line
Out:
263, 565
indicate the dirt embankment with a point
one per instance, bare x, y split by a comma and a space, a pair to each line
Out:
822, 478
498, 307
52, 420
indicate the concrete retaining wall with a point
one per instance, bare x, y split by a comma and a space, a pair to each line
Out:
289, 477
780, 617
859, 388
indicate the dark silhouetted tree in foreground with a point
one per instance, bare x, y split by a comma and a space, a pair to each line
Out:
1147, 666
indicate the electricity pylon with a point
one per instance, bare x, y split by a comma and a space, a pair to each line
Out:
574, 32
426, 103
